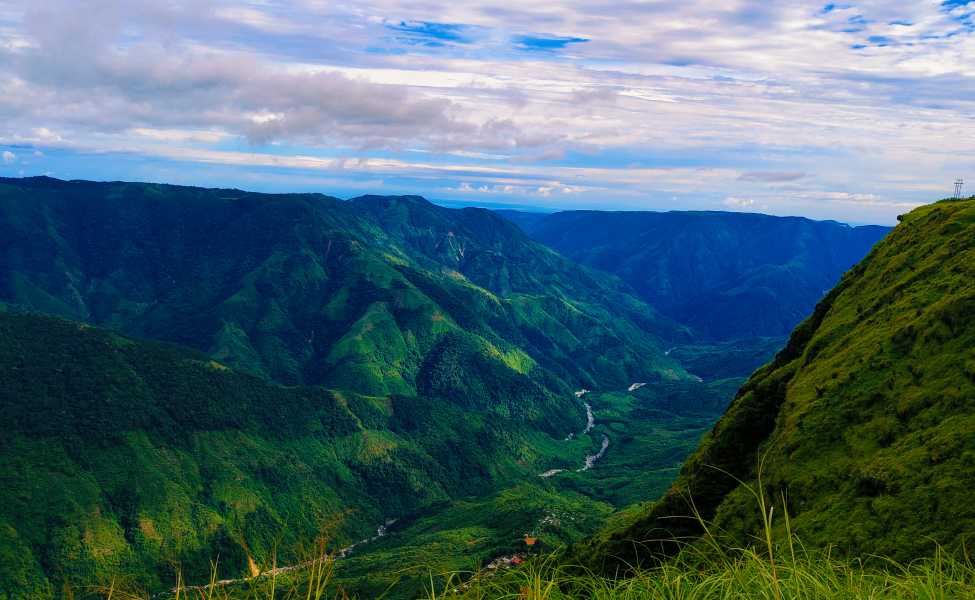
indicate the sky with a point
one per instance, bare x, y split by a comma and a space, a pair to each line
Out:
854, 111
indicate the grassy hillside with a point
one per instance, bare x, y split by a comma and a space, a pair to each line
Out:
726, 275
739, 574
864, 425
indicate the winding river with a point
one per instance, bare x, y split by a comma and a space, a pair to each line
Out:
590, 459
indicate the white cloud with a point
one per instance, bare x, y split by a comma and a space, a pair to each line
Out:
738, 203
771, 176
797, 98
9, 157
178, 135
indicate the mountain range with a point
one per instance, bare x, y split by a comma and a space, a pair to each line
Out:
434, 351
309, 288
725, 275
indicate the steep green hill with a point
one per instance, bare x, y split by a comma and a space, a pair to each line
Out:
304, 288
726, 275
864, 423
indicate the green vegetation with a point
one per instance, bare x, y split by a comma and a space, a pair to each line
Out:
308, 289
466, 536
865, 421
449, 343
771, 569
746, 576
123, 457
723, 360
726, 275
768, 570
750, 577
651, 432
385, 362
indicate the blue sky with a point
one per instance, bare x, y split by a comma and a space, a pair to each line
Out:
856, 111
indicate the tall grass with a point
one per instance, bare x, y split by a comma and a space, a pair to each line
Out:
705, 570
751, 575
740, 573
708, 570
312, 579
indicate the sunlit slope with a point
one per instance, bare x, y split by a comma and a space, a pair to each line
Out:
866, 420
120, 457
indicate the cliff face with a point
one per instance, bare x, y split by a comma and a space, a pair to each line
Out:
864, 424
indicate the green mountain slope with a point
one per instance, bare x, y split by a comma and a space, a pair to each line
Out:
865, 422
726, 275
122, 457
304, 288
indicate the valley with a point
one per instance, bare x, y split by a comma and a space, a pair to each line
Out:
444, 344
741, 282
374, 361
633, 451
426, 535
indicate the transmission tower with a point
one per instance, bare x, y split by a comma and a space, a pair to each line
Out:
958, 185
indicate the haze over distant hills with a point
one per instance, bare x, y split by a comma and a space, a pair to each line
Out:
726, 275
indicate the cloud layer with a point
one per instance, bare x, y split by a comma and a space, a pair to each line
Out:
854, 111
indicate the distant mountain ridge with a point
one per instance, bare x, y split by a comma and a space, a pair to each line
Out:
726, 275
305, 288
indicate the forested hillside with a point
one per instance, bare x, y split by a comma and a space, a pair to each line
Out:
312, 289
726, 275
435, 352
124, 457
